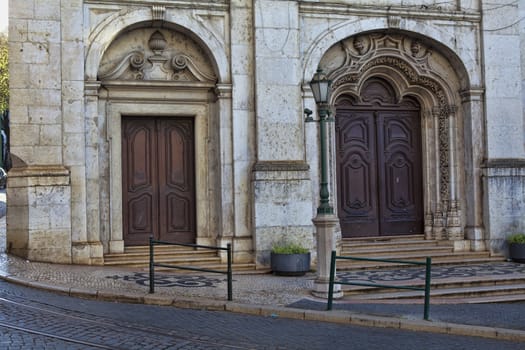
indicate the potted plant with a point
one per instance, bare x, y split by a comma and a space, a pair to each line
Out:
290, 259
516, 243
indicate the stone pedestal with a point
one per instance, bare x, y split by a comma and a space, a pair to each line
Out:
281, 192
39, 219
326, 243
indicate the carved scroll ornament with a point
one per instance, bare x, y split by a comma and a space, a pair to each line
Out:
160, 62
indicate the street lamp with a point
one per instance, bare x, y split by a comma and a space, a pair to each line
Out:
325, 221
320, 86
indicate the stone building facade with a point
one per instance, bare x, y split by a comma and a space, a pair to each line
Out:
184, 119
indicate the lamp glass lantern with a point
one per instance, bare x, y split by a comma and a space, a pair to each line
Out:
320, 86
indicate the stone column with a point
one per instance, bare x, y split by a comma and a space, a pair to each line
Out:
454, 228
472, 103
438, 226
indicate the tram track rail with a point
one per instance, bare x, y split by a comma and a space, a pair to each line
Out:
162, 337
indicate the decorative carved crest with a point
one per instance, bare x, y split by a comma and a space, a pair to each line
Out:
177, 59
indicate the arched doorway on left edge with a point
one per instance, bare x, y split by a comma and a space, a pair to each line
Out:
379, 167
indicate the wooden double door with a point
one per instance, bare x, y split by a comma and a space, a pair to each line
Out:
379, 169
158, 179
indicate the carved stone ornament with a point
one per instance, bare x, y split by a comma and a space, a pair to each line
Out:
144, 54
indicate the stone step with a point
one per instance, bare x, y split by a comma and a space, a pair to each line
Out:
394, 245
396, 250
462, 258
109, 258
384, 239
133, 261
512, 298
138, 257
416, 242
452, 293
437, 284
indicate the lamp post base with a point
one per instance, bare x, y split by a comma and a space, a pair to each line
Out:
320, 290
325, 224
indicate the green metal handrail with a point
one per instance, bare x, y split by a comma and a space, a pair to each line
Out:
152, 263
427, 264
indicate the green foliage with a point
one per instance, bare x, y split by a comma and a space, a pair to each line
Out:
289, 248
516, 238
4, 73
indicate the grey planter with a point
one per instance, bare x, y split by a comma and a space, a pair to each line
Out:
517, 252
290, 264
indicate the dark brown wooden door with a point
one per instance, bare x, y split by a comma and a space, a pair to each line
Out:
158, 180
379, 165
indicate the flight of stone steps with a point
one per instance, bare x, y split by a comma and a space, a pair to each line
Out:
138, 256
458, 277
409, 247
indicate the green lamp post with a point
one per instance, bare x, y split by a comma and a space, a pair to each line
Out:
325, 221
320, 86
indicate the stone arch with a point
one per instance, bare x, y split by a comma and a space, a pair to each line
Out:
443, 41
105, 33
415, 69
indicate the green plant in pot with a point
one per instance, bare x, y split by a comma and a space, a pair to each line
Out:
290, 259
516, 243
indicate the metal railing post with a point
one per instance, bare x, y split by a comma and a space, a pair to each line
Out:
151, 268
331, 283
230, 296
427, 287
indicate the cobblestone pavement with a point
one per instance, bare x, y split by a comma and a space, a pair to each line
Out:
265, 294
116, 326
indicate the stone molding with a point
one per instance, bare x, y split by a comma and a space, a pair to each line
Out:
281, 166
499, 163
39, 175
429, 12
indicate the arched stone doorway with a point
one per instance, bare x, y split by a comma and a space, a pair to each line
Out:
159, 118
404, 71
378, 155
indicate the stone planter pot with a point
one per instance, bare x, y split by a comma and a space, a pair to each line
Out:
517, 252
290, 264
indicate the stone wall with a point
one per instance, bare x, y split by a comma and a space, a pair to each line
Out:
258, 163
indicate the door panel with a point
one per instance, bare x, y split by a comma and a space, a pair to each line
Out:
158, 180
177, 181
379, 174
357, 203
139, 180
400, 172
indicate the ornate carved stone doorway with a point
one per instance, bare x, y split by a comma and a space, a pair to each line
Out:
424, 87
379, 171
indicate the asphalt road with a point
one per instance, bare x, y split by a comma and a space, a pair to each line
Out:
33, 319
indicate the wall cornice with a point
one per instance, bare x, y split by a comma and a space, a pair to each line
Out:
215, 5
387, 11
